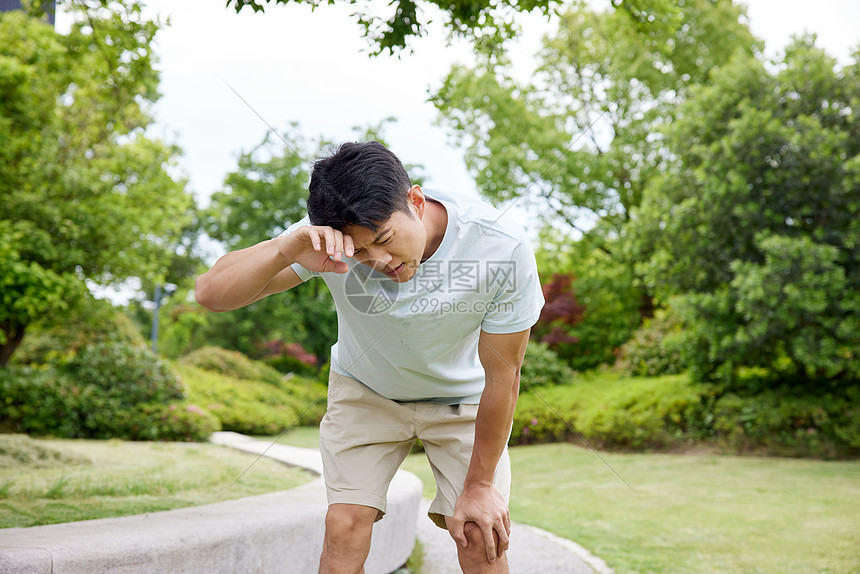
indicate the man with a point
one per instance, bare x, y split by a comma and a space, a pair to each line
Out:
435, 298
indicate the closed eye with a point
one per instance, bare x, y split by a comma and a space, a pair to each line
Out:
386, 241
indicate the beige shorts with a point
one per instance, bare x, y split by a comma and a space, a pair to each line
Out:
364, 438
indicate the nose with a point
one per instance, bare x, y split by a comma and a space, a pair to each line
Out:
378, 257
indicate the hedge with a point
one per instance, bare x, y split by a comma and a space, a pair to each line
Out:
671, 412
50, 401
248, 396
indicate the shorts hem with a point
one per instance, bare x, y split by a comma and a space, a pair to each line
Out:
437, 512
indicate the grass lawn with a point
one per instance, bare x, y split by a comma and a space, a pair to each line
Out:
305, 437
97, 479
689, 513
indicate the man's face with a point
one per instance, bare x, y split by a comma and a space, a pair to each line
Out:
396, 248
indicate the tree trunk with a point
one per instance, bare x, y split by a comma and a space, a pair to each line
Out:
646, 306
14, 334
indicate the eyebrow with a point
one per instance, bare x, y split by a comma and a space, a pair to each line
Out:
377, 238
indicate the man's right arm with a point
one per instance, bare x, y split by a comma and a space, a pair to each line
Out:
247, 275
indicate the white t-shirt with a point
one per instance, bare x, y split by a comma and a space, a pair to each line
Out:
418, 340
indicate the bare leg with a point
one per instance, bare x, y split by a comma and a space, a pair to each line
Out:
473, 558
347, 538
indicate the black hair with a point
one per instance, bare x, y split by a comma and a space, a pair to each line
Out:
361, 183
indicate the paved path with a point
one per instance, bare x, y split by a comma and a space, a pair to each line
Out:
532, 551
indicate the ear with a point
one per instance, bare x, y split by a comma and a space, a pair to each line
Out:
417, 201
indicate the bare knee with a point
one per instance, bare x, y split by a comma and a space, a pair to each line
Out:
348, 528
473, 558
476, 537
347, 523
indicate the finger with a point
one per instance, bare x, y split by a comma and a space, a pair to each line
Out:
338, 245
458, 534
348, 246
329, 240
314, 237
507, 521
502, 543
331, 266
490, 541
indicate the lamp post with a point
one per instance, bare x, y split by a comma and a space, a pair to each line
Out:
161, 291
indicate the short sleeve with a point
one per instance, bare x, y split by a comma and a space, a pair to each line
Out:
519, 298
303, 273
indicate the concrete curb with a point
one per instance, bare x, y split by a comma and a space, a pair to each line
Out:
393, 537
279, 532
306, 458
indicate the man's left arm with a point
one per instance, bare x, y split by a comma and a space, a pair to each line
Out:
481, 502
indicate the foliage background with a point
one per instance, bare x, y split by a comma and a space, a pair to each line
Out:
699, 225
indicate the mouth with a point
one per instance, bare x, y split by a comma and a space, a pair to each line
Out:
397, 270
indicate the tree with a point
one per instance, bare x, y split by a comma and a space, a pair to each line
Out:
591, 302
267, 191
756, 228
261, 198
487, 23
87, 195
581, 139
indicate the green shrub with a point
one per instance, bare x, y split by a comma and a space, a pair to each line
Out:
35, 400
289, 358
310, 396
232, 364
538, 422
653, 412
183, 325
51, 401
91, 323
125, 375
93, 377
289, 364
305, 395
613, 412
638, 413
655, 348
110, 380
172, 422
542, 367
587, 320
255, 407
790, 422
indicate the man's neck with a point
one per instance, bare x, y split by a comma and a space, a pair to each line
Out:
435, 222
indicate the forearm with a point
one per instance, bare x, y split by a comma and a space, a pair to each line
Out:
239, 277
492, 427
482, 502
502, 357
